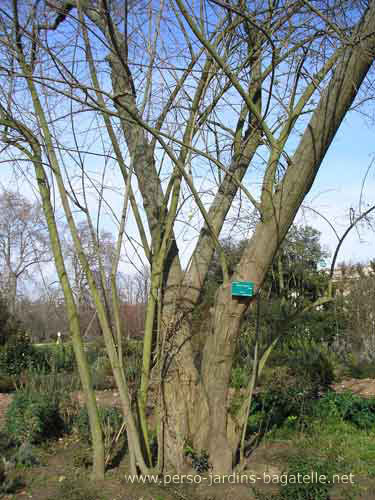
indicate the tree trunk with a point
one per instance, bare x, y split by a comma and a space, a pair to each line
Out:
196, 387
12, 292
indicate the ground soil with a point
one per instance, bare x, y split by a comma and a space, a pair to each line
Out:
363, 387
60, 477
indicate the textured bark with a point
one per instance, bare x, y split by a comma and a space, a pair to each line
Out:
12, 291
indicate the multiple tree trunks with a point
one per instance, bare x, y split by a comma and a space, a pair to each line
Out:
194, 395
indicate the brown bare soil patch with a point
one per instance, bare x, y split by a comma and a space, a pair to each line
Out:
363, 387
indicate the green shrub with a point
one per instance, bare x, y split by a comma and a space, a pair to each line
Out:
102, 375
101, 383
293, 489
282, 396
26, 456
132, 356
360, 369
15, 355
6, 383
94, 350
5, 442
75, 490
199, 460
61, 357
56, 387
273, 407
240, 377
11, 485
102, 365
57, 357
307, 360
32, 417
2, 471
82, 458
348, 407
19, 355
300, 490
111, 420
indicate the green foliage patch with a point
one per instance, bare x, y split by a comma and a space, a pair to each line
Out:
18, 355
32, 417
348, 407
199, 460
75, 490
293, 489
299, 490
111, 420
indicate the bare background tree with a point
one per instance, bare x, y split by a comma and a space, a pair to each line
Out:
23, 241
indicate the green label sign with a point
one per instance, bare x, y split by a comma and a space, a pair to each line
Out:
242, 289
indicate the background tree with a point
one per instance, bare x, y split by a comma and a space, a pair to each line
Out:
23, 241
355, 340
9, 326
100, 251
43, 315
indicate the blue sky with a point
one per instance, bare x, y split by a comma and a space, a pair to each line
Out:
336, 190
338, 186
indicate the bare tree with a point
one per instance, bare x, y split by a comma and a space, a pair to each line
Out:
23, 241
42, 316
193, 105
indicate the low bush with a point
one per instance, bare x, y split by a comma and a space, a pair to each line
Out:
6, 383
61, 357
57, 388
240, 377
359, 369
101, 367
293, 489
11, 485
94, 350
26, 456
19, 355
69, 408
348, 407
282, 396
285, 411
32, 418
9, 325
111, 424
75, 490
199, 460
102, 375
306, 360
111, 420
2, 471
5, 442
82, 458
132, 357
300, 490
272, 408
